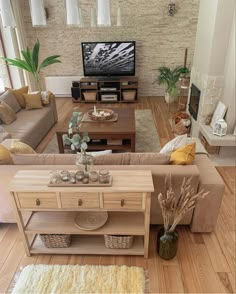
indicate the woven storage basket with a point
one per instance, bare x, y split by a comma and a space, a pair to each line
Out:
118, 242
90, 96
129, 95
56, 241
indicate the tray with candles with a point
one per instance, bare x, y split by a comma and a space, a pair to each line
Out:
100, 114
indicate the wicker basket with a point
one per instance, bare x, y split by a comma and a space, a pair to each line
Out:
90, 96
129, 95
118, 242
55, 241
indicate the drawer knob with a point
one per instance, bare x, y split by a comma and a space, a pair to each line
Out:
80, 202
122, 202
37, 202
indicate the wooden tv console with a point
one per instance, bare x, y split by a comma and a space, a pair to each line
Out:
108, 90
53, 210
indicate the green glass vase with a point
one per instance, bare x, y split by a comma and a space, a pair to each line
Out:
167, 244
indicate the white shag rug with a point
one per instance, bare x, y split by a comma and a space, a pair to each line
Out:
77, 279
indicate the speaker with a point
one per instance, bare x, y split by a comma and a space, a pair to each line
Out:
75, 84
75, 93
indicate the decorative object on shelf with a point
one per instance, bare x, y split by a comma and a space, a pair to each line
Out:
79, 175
7, 15
104, 176
56, 240
65, 175
219, 113
171, 8
93, 176
91, 220
173, 210
38, 13
220, 128
100, 114
118, 242
90, 95
208, 119
128, 95
234, 133
72, 13
30, 62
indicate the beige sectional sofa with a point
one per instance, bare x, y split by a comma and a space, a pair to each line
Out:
31, 126
205, 176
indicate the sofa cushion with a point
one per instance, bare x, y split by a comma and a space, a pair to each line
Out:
174, 144
18, 93
183, 155
30, 125
7, 114
20, 147
5, 156
33, 101
10, 100
149, 159
44, 159
113, 159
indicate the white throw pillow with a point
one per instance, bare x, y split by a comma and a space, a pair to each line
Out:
97, 153
174, 144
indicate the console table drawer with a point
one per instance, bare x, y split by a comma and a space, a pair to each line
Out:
37, 200
80, 200
123, 200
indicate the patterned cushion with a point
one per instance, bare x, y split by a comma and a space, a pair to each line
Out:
7, 114
10, 100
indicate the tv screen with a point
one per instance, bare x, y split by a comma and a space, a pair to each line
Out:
109, 58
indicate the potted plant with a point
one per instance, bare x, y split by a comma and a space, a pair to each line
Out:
78, 141
170, 79
173, 210
30, 62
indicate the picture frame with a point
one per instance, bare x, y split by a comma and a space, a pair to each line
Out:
219, 113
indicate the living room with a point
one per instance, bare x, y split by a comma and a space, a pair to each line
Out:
148, 203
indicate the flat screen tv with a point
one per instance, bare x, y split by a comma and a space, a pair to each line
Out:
108, 58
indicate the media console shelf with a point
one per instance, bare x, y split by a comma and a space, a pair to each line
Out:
110, 90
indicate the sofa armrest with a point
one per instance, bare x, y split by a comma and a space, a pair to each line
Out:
206, 212
52, 104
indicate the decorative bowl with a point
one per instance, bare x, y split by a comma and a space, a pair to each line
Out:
101, 114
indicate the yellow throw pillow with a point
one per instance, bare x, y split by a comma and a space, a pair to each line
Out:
183, 155
19, 147
33, 101
7, 114
5, 156
18, 93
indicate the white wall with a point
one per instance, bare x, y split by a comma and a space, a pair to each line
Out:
229, 95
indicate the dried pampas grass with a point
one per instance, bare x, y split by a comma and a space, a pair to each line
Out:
175, 208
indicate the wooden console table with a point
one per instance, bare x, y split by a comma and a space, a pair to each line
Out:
53, 210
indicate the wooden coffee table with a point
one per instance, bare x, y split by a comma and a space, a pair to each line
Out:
104, 134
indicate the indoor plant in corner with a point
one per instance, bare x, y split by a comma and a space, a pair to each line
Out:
170, 79
173, 210
30, 62
78, 141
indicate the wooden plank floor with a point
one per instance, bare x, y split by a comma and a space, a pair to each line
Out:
205, 263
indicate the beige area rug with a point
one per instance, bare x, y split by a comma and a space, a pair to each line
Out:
146, 134
80, 279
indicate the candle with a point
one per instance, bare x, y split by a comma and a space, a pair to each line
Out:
94, 110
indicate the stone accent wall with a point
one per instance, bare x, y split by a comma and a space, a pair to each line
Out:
211, 91
160, 39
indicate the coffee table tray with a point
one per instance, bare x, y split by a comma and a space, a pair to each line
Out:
80, 184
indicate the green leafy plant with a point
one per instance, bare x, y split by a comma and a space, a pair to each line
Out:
170, 78
30, 62
73, 139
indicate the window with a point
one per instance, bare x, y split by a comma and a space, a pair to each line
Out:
4, 74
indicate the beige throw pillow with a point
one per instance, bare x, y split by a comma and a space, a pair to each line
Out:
10, 100
33, 101
21, 148
7, 114
18, 93
5, 156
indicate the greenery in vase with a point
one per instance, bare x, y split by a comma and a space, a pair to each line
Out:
30, 62
73, 139
175, 208
170, 78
